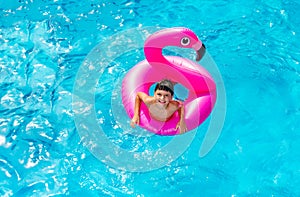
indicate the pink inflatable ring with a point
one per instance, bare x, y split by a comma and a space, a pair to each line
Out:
201, 86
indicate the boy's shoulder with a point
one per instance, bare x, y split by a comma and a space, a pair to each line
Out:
176, 103
149, 99
144, 96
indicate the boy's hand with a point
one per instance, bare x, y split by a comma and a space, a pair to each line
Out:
182, 127
135, 121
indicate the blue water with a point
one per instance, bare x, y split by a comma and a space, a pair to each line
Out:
255, 45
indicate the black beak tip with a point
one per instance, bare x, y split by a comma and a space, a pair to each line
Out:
201, 52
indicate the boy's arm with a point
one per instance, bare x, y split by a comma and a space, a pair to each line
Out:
141, 96
181, 124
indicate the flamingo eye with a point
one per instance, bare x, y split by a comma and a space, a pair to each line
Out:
185, 41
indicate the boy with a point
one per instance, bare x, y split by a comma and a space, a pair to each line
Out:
161, 106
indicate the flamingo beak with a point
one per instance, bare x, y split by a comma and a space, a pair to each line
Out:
200, 52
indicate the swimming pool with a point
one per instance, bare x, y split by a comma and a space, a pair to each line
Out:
43, 47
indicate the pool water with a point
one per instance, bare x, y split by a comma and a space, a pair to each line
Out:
45, 47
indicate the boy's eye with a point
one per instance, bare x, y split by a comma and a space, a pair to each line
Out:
159, 94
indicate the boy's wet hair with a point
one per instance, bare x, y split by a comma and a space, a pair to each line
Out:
165, 85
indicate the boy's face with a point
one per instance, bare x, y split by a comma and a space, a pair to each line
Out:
163, 97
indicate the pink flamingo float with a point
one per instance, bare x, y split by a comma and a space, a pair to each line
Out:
201, 86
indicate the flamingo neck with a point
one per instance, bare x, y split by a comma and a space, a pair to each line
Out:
154, 55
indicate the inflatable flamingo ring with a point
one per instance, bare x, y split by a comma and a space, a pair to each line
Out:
201, 86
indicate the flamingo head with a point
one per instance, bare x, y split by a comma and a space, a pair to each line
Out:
188, 39
178, 36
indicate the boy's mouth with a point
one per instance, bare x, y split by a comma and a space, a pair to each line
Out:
162, 102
